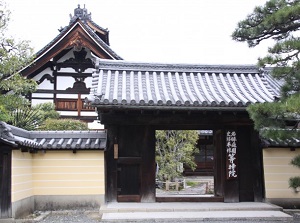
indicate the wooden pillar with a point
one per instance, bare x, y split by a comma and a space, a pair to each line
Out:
258, 181
248, 185
111, 165
55, 86
79, 105
148, 166
5, 181
219, 164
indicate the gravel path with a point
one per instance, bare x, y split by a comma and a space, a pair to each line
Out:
94, 217
72, 216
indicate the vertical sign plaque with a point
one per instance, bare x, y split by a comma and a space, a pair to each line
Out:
231, 155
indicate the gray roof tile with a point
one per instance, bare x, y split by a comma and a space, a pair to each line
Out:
53, 140
122, 84
70, 139
292, 143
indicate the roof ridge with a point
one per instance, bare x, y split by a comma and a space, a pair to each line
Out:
134, 65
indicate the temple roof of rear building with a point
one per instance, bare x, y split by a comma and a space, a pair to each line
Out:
125, 85
85, 32
52, 140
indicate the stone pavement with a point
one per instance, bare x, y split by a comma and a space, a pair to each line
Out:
193, 212
245, 212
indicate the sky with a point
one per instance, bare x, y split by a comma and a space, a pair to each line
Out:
166, 31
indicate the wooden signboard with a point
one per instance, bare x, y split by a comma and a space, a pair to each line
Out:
231, 155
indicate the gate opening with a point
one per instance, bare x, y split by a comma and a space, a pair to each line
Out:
185, 164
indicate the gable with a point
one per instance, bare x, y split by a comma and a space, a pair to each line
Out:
75, 36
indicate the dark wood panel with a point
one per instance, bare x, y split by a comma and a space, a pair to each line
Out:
231, 191
111, 164
129, 140
219, 164
148, 165
258, 178
129, 179
129, 198
250, 170
129, 160
5, 183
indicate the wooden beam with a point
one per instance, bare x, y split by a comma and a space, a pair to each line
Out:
212, 119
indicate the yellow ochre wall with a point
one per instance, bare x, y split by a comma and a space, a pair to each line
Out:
22, 186
67, 173
57, 173
277, 171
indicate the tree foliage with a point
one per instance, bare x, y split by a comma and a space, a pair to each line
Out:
47, 110
173, 148
277, 120
278, 20
14, 55
294, 182
19, 113
26, 118
63, 124
9, 104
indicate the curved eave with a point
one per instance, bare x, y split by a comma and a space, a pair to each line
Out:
167, 108
101, 32
101, 44
59, 43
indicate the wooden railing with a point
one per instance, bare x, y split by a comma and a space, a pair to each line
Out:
62, 104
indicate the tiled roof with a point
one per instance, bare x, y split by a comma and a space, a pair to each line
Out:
70, 139
66, 29
123, 84
53, 140
292, 143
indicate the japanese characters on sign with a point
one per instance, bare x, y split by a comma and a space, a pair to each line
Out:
231, 154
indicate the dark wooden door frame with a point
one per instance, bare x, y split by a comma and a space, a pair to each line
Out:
215, 121
5, 181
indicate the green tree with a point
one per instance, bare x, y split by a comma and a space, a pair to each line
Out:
173, 149
26, 118
294, 182
46, 110
14, 55
18, 112
63, 124
278, 20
